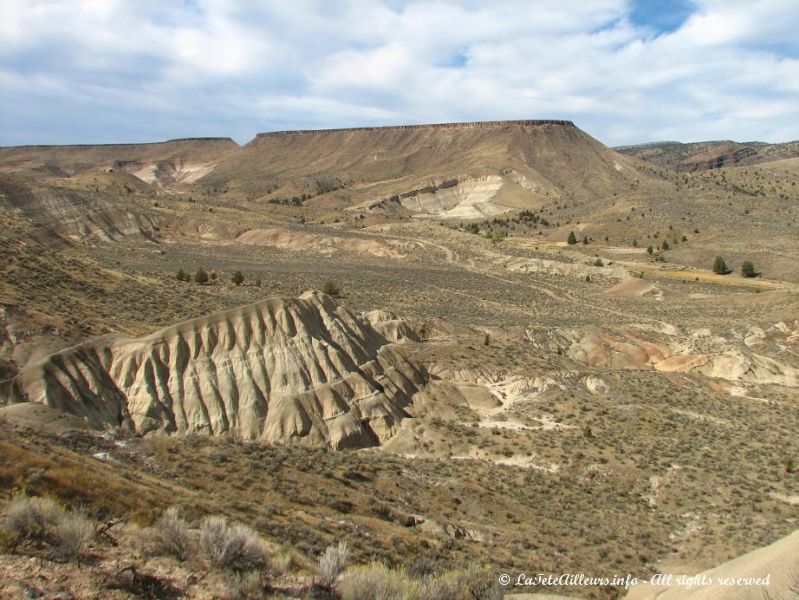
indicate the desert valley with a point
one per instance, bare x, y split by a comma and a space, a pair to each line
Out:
441, 352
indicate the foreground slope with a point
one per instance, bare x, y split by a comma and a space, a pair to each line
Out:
768, 572
275, 371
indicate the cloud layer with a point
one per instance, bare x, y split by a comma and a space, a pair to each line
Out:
136, 70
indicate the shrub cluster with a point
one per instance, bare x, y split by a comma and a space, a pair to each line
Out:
43, 522
378, 582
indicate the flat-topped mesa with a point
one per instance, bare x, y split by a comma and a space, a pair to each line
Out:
461, 125
302, 370
215, 140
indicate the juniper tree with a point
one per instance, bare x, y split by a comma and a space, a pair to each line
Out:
720, 267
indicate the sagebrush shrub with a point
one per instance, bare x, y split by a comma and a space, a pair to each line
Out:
33, 518
43, 521
171, 536
332, 563
231, 546
378, 582
72, 536
473, 582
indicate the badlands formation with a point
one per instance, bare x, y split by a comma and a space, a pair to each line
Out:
274, 371
523, 358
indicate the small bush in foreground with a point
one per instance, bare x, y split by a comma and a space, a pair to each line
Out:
42, 521
231, 546
332, 563
378, 582
171, 536
32, 518
72, 536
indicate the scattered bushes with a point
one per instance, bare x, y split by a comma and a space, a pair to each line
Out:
240, 555
498, 236
232, 548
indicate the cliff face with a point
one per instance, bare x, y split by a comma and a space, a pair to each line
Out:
456, 125
277, 371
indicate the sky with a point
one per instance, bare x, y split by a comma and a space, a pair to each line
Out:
625, 71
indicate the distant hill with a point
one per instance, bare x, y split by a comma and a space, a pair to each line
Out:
163, 163
485, 166
701, 156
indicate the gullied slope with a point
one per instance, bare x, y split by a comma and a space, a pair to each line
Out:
276, 371
78, 216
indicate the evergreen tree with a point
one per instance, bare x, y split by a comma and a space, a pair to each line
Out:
331, 289
720, 267
572, 239
238, 278
748, 269
201, 277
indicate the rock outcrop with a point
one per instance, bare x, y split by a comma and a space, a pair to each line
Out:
278, 371
751, 356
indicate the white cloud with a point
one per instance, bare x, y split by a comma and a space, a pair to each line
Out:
214, 67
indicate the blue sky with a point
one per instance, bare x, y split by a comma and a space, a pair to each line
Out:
92, 71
